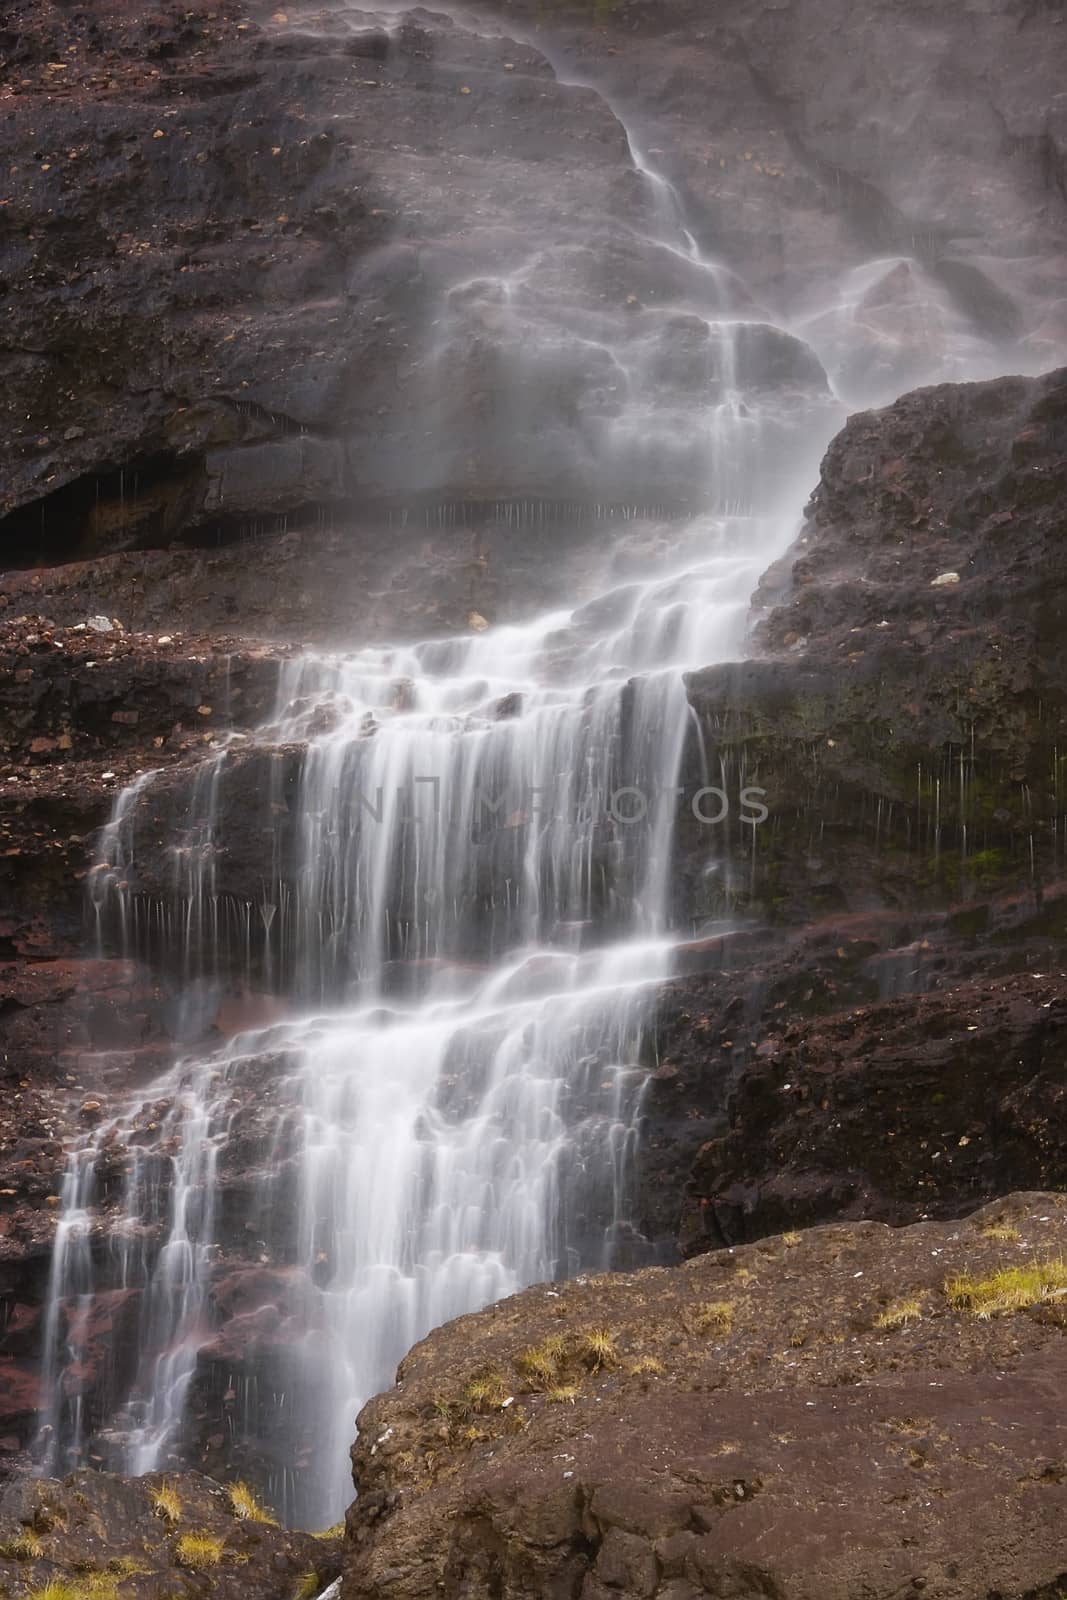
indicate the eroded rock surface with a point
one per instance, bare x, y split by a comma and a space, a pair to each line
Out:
269, 265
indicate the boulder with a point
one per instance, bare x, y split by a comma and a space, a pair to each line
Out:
812, 1417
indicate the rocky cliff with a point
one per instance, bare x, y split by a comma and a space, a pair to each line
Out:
246, 408
904, 714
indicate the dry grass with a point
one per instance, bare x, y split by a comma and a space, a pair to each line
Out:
336, 1532
540, 1363
598, 1349
199, 1550
715, 1316
646, 1365
25, 1546
307, 1585
899, 1313
166, 1502
104, 1585
58, 1589
563, 1394
486, 1391
1004, 1231
247, 1506
1009, 1289
791, 1239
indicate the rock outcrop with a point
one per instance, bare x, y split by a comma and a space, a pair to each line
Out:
902, 912
818, 1416
907, 715
890, 177
153, 1538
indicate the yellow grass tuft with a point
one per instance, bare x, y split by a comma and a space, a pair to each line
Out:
486, 1391
715, 1316
899, 1313
25, 1546
791, 1239
563, 1393
1005, 1231
540, 1363
247, 1506
646, 1364
1009, 1289
199, 1550
166, 1501
598, 1349
307, 1585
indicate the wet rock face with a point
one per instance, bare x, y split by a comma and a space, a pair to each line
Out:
330, 218
937, 523
802, 1418
331, 222
902, 904
899, 178
791, 1088
906, 708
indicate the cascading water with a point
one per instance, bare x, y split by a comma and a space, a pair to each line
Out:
470, 934
474, 817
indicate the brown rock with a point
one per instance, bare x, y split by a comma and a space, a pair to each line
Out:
814, 1441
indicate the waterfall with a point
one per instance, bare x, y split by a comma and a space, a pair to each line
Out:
492, 816
469, 933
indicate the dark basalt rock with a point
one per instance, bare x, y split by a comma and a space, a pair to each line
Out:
901, 909
287, 202
855, 1074
932, 158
